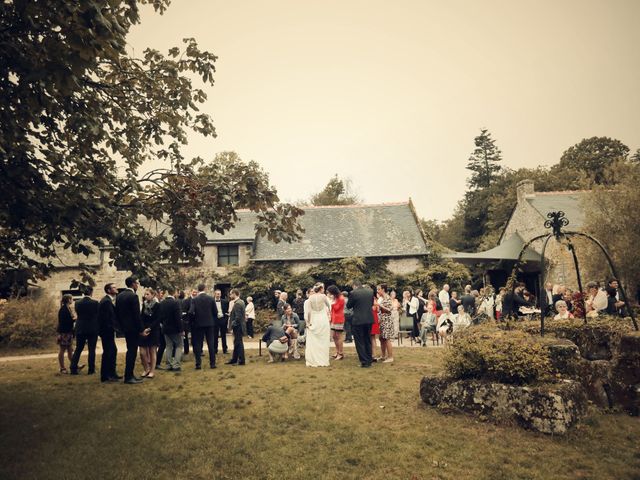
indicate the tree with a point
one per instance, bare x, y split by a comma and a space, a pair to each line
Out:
75, 108
636, 156
483, 162
336, 192
611, 220
594, 156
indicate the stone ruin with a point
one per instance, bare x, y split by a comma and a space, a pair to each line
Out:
596, 366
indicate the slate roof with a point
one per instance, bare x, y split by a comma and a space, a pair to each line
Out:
243, 230
387, 230
568, 202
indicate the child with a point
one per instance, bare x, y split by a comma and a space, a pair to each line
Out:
428, 325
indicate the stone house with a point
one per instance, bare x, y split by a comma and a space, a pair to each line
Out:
391, 231
525, 223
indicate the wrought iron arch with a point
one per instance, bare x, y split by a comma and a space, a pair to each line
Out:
556, 221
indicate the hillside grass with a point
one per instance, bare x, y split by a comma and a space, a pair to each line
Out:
282, 421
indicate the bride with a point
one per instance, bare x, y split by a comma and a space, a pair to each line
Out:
317, 330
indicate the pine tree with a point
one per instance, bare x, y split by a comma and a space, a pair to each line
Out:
483, 162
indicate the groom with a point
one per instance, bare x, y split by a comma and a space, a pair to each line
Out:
361, 301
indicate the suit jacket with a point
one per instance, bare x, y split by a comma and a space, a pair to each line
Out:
87, 310
469, 304
107, 317
361, 301
237, 318
203, 309
128, 312
225, 312
170, 315
512, 303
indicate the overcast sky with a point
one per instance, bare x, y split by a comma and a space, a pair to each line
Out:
391, 94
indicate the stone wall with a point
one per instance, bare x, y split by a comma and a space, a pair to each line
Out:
404, 266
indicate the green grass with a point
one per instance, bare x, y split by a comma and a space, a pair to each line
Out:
282, 421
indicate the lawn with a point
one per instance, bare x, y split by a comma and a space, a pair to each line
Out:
282, 421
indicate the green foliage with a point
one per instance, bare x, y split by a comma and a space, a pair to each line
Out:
483, 162
336, 192
260, 279
485, 352
611, 220
27, 322
594, 156
73, 103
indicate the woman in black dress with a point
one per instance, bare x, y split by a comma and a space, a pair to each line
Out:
149, 344
66, 318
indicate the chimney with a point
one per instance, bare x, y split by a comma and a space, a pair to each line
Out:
524, 189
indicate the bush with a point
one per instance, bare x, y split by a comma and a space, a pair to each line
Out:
28, 322
485, 352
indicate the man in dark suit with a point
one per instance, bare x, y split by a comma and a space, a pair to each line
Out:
86, 331
238, 324
513, 301
128, 315
107, 329
203, 309
468, 301
222, 318
170, 315
361, 302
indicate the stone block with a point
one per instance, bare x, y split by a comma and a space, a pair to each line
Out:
548, 408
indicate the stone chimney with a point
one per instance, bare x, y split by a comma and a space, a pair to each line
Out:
524, 189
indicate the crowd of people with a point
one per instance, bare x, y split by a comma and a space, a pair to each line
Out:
168, 322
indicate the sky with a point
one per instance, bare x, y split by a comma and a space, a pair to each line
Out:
391, 94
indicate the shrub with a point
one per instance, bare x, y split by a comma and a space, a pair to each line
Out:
28, 322
485, 352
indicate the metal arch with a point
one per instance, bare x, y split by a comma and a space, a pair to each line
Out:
556, 221
542, 280
613, 271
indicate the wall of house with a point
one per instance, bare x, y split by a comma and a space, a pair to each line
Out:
404, 266
210, 260
528, 223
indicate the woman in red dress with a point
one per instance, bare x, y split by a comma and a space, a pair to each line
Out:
375, 329
337, 320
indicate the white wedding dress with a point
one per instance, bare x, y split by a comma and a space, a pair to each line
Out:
317, 331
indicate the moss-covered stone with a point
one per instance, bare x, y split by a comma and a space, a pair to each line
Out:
547, 408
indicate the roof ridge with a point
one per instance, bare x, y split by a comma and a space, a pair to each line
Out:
354, 205
561, 192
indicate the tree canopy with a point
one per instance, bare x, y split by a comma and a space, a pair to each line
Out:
336, 192
593, 156
80, 117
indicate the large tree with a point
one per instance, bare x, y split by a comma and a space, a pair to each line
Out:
336, 192
483, 162
593, 156
80, 117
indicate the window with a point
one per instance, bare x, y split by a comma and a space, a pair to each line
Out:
227, 255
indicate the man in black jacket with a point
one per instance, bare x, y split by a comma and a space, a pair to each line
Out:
128, 315
170, 315
468, 301
108, 323
86, 331
237, 322
203, 309
513, 301
221, 318
361, 302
